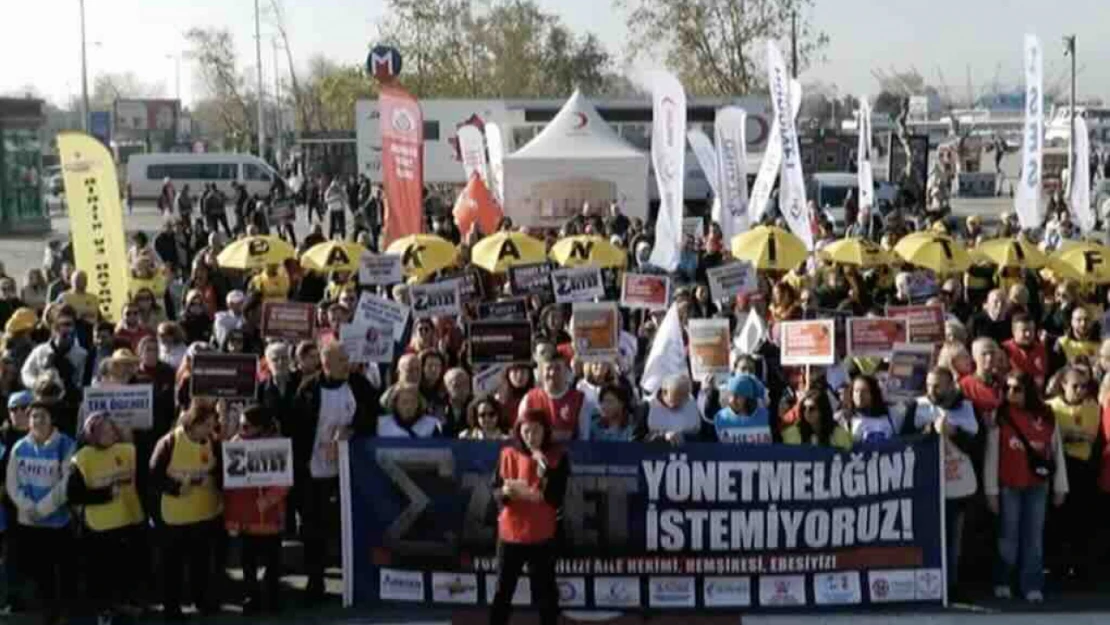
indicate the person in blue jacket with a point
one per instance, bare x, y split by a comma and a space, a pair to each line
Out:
744, 419
38, 467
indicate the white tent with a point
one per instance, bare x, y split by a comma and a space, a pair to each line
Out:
578, 158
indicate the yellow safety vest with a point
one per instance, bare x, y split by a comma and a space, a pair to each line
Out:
105, 468
191, 462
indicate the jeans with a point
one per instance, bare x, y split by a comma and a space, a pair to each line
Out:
320, 514
337, 224
540, 558
189, 547
1021, 537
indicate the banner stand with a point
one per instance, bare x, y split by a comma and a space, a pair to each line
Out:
943, 524
346, 548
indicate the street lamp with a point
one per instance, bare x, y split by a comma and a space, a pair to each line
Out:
84, 74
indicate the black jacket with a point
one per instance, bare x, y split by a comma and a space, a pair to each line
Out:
280, 405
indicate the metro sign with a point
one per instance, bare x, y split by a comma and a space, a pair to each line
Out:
383, 62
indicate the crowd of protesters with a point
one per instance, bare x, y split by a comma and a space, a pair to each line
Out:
1019, 395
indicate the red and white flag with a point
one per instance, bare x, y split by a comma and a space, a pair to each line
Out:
402, 132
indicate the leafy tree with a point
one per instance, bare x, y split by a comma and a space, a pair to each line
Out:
716, 46
330, 93
230, 107
108, 87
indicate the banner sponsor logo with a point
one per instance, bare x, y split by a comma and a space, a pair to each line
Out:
224, 376
289, 321
522, 596
840, 588
869, 336
438, 299
581, 284
782, 591
258, 463
892, 585
495, 342
928, 585
727, 592
645, 290
671, 592
572, 591
374, 310
401, 585
379, 269
617, 592
130, 406
811, 342
459, 588
728, 281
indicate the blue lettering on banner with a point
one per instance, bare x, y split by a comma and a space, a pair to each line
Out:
695, 527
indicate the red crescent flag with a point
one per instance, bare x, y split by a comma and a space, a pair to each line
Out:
476, 205
402, 132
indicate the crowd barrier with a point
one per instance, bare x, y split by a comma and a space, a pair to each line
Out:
651, 527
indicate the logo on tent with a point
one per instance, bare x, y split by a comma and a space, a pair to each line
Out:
258, 247
338, 256
508, 248
581, 249
580, 121
411, 257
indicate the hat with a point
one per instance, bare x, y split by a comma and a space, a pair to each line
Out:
746, 385
124, 355
22, 399
235, 298
22, 320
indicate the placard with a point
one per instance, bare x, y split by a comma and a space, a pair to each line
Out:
130, 406
810, 342
289, 321
645, 290
925, 324
379, 269
580, 284
256, 463
709, 347
693, 227
874, 336
728, 281
379, 310
513, 309
224, 376
367, 342
531, 279
595, 331
496, 342
909, 366
471, 286
487, 379
437, 299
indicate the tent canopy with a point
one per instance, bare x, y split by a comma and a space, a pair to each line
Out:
576, 159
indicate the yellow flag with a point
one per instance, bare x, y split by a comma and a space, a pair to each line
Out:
95, 218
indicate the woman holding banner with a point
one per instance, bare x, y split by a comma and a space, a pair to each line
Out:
529, 485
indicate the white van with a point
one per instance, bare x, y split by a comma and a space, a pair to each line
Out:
146, 173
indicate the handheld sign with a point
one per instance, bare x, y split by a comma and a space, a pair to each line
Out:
258, 463
709, 347
378, 269
438, 299
645, 290
595, 331
531, 280
504, 310
875, 337
367, 342
810, 342
224, 376
728, 281
379, 310
909, 367
288, 321
925, 324
496, 342
581, 284
130, 406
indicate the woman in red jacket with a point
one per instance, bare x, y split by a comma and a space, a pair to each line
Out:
530, 482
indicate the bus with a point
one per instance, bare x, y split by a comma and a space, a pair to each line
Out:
147, 172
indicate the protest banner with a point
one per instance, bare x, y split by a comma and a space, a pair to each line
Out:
645, 290
704, 531
709, 347
531, 280
367, 342
874, 336
436, 299
289, 321
495, 342
513, 309
258, 463
909, 366
471, 286
224, 376
379, 269
811, 342
693, 227
595, 331
379, 310
728, 281
925, 324
131, 406
580, 284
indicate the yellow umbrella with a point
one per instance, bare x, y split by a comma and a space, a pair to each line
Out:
1084, 262
937, 252
501, 250
1015, 252
423, 254
854, 251
769, 248
255, 253
588, 250
333, 256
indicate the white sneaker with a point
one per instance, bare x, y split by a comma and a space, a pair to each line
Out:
1034, 596
1002, 592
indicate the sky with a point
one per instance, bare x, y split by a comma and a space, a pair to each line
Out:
41, 43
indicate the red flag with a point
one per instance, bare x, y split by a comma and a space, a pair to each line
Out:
402, 131
476, 205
